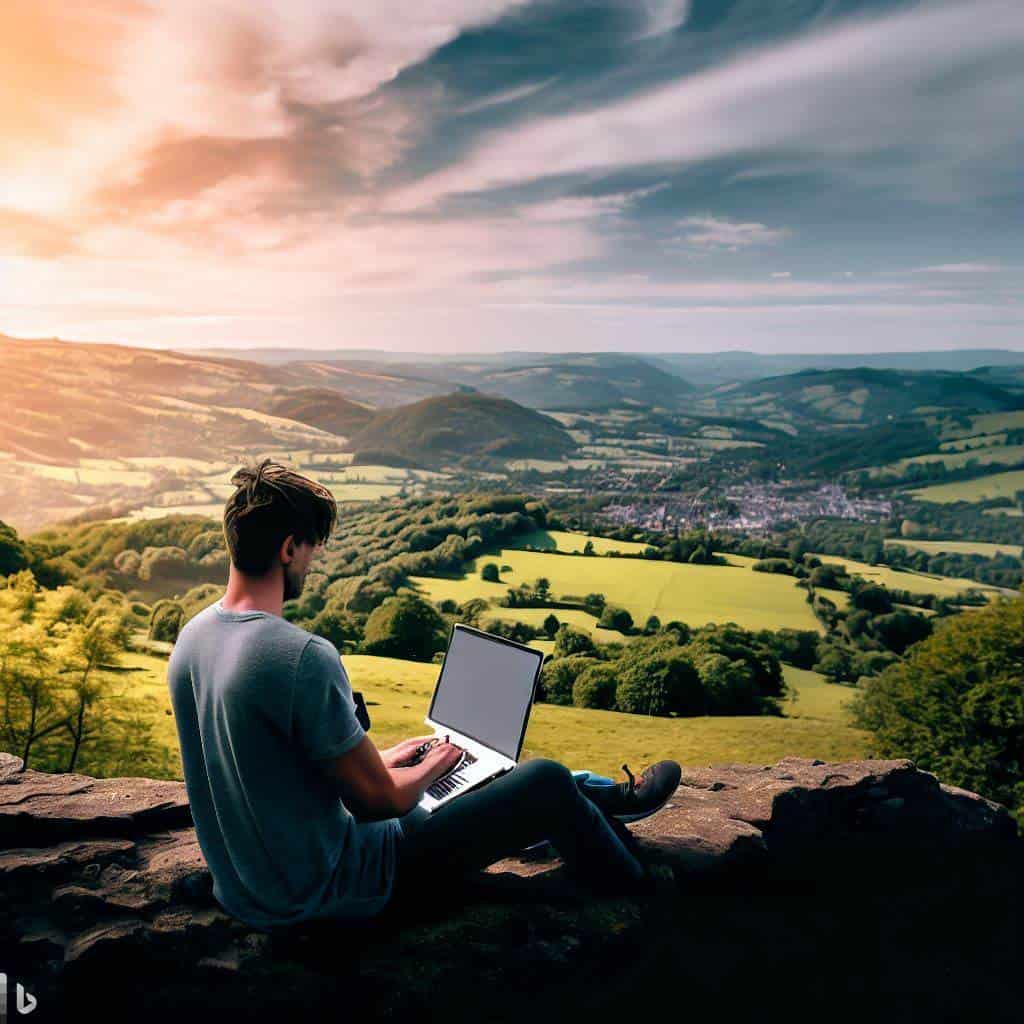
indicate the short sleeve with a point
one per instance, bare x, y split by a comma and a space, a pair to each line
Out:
324, 722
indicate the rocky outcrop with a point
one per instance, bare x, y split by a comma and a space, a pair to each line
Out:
106, 904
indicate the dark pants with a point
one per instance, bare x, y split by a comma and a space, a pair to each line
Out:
539, 799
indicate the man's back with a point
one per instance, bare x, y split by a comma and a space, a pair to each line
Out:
257, 702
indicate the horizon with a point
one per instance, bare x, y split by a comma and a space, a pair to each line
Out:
674, 176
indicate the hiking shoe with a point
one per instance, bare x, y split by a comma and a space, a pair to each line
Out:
637, 798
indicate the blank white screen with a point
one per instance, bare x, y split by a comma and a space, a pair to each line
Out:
485, 690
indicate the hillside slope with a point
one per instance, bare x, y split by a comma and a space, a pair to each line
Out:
864, 395
567, 383
322, 408
463, 424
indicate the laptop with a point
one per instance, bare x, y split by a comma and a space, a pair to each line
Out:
482, 702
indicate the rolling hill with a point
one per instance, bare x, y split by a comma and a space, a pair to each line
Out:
322, 408
864, 396
562, 383
463, 424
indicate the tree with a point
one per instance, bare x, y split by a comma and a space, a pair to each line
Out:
652, 625
614, 617
595, 687
24, 594
955, 704
489, 573
659, 681
30, 705
338, 626
594, 603
165, 621
571, 641
588, 548
542, 589
404, 626
551, 624
14, 554
559, 676
88, 649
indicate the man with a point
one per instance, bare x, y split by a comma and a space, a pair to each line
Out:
298, 814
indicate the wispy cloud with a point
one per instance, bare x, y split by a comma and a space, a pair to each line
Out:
960, 268
841, 93
732, 235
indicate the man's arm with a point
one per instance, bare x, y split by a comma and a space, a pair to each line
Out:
372, 791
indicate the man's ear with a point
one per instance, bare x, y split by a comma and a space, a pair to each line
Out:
288, 549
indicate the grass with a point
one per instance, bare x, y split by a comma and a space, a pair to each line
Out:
695, 594
997, 455
816, 724
575, 617
398, 695
995, 485
915, 582
958, 547
563, 540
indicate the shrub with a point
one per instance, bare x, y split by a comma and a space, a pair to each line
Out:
163, 563
955, 704
128, 562
559, 676
165, 621
405, 626
570, 641
490, 574
659, 682
595, 687
614, 617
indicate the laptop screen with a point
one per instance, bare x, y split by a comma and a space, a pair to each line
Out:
485, 690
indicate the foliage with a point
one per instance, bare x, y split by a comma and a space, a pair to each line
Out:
955, 704
595, 687
404, 626
569, 641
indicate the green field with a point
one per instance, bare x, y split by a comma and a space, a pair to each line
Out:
995, 485
957, 547
986, 423
563, 540
915, 582
695, 594
575, 617
398, 695
1009, 455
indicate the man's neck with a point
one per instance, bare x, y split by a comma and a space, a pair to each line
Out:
253, 593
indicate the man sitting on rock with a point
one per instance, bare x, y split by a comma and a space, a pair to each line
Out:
298, 814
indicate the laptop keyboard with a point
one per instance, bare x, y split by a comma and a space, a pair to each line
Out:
454, 780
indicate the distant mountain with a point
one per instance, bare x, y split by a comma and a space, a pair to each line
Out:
463, 424
570, 383
863, 395
323, 408
711, 369
65, 400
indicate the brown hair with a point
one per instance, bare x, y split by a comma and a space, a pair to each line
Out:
271, 502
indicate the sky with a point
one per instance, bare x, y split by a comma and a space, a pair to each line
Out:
486, 175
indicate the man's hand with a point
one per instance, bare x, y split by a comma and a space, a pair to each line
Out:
439, 760
401, 754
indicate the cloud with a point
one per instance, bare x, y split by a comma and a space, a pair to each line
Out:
960, 268
127, 109
877, 88
781, 273
568, 208
33, 236
713, 232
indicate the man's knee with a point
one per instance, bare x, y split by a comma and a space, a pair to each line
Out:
545, 772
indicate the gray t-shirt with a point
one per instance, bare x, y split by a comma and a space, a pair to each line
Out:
257, 702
